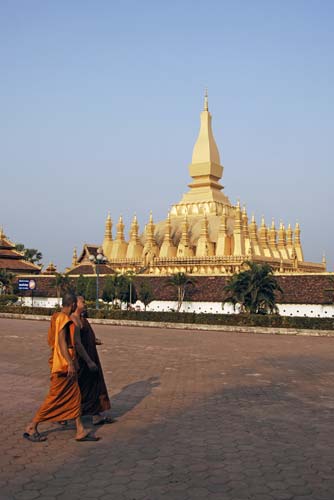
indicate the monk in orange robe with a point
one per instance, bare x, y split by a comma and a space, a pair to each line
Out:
94, 393
63, 401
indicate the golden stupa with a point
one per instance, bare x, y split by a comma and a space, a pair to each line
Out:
204, 233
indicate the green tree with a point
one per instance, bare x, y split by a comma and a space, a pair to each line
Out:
90, 292
108, 293
117, 287
81, 285
30, 254
62, 284
145, 293
6, 281
180, 281
254, 289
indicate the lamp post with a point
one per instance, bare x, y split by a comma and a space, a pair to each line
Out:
98, 260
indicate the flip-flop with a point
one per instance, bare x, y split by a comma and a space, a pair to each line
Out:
36, 437
105, 420
88, 438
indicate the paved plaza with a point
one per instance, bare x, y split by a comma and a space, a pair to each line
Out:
200, 415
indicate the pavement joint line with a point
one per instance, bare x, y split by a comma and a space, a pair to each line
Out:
187, 326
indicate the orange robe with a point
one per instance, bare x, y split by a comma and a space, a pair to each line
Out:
63, 401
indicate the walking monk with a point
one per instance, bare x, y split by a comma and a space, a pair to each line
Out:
94, 393
63, 401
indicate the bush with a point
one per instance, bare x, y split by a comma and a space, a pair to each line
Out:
38, 311
8, 299
271, 320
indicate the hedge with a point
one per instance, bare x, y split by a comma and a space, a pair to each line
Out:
270, 320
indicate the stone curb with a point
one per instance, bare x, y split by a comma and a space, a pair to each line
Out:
187, 326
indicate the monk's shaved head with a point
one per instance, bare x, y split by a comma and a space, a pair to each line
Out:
69, 299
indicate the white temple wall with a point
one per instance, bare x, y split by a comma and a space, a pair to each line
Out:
309, 310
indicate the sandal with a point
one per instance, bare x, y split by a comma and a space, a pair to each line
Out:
88, 438
36, 437
105, 420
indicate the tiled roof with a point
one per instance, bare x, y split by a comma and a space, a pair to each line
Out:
8, 252
88, 250
18, 265
88, 268
12, 260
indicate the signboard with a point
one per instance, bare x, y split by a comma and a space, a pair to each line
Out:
23, 284
26, 284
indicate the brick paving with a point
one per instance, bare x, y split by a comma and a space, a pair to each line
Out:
200, 415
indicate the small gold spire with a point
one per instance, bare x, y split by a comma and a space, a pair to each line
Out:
206, 100
74, 258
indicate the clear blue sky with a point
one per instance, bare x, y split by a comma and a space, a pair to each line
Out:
100, 103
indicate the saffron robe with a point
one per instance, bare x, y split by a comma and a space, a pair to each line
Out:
63, 401
94, 393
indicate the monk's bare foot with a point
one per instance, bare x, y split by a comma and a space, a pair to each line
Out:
31, 434
82, 434
31, 429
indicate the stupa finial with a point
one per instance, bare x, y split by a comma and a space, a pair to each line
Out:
206, 100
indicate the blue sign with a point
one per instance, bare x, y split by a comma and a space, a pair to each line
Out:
25, 284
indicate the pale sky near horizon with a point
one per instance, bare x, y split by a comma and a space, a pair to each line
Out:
100, 104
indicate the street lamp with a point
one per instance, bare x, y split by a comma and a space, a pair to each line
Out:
98, 260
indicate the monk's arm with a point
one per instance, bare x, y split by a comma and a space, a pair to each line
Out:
82, 351
65, 353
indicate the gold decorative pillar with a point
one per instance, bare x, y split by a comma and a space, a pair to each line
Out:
135, 248
119, 246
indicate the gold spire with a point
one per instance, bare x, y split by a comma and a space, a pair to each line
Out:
223, 223
167, 249
244, 217
253, 228
2, 234
183, 249
205, 149
167, 236
108, 229
135, 248
206, 172
238, 218
204, 248
281, 236
150, 230
289, 236
74, 258
120, 229
206, 101
297, 233
134, 230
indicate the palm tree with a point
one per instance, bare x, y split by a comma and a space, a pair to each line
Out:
180, 281
254, 289
62, 283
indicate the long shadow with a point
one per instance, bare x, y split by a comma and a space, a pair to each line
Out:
131, 395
